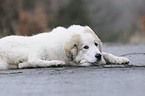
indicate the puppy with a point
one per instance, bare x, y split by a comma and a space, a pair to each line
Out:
76, 45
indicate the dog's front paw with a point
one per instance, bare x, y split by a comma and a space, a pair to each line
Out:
23, 65
124, 60
120, 60
85, 64
56, 62
109, 58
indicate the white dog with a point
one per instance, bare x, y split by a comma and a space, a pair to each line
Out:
77, 45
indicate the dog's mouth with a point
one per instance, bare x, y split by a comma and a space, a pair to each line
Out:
96, 63
90, 63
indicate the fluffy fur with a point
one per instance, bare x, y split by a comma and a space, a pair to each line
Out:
76, 45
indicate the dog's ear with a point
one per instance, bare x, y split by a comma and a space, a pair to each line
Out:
71, 52
74, 52
71, 47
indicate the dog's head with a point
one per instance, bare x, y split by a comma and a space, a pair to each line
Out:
84, 47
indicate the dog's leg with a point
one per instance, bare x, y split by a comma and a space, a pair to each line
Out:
36, 58
41, 63
109, 58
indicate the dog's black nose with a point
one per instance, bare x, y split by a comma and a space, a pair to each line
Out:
98, 56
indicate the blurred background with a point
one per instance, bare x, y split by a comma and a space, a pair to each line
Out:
112, 20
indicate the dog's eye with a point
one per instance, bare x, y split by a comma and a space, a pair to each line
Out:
96, 44
86, 47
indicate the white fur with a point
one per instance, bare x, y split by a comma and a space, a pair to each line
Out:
109, 58
57, 47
